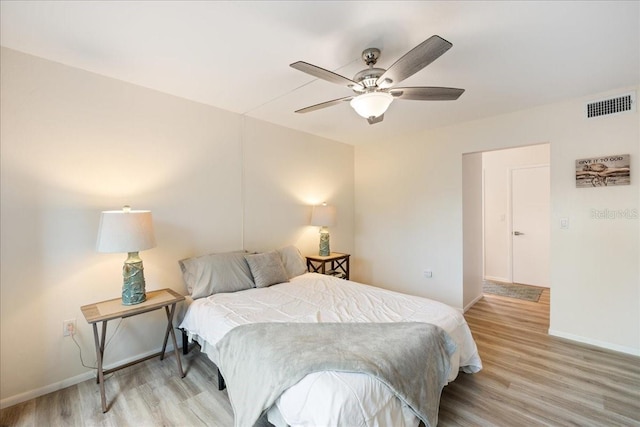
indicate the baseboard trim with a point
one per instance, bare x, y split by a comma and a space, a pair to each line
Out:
596, 343
497, 279
32, 394
468, 306
41, 391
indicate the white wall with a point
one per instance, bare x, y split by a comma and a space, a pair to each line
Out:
74, 144
409, 216
298, 173
497, 234
472, 230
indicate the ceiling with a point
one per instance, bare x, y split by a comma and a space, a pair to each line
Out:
508, 55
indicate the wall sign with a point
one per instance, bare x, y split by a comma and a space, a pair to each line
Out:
603, 171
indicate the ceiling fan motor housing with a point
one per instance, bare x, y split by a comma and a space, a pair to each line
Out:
368, 77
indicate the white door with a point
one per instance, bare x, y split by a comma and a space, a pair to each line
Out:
530, 212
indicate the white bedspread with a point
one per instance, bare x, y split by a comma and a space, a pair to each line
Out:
330, 398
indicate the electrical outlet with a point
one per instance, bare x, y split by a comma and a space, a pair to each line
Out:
68, 327
428, 274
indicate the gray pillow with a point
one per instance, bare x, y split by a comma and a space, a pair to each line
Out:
215, 273
267, 269
293, 261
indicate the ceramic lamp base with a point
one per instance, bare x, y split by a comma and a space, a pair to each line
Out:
324, 243
133, 286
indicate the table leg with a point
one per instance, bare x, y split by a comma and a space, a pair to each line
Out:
99, 356
173, 337
166, 333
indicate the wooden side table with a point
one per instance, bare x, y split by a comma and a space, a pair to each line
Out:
113, 309
338, 264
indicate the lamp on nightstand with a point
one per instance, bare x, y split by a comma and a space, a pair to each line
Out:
128, 231
323, 216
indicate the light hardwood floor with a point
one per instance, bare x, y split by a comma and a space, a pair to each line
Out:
529, 379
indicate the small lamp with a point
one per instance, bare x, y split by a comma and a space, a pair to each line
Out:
323, 216
128, 231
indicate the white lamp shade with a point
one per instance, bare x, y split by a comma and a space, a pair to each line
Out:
323, 216
372, 104
125, 231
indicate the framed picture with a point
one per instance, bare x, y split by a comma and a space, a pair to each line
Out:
603, 171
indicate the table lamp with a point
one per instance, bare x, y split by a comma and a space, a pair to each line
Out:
128, 231
323, 216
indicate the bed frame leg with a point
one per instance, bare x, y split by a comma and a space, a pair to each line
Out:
185, 342
185, 350
221, 384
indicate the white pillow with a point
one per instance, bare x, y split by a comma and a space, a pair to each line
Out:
215, 273
267, 269
293, 261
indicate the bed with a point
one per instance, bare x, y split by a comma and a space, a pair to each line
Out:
249, 292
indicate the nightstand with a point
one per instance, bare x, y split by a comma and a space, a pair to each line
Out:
338, 264
113, 309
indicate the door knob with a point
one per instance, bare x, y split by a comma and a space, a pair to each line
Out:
517, 233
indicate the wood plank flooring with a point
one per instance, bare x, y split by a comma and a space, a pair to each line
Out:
529, 379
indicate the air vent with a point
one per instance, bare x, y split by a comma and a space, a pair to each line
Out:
619, 104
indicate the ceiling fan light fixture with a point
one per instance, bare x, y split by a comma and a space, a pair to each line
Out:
371, 104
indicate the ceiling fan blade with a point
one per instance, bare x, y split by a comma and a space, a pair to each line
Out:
324, 105
327, 75
374, 120
427, 93
414, 60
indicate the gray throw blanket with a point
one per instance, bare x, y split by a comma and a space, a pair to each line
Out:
260, 361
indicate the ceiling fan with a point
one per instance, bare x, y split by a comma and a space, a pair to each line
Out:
375, 87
